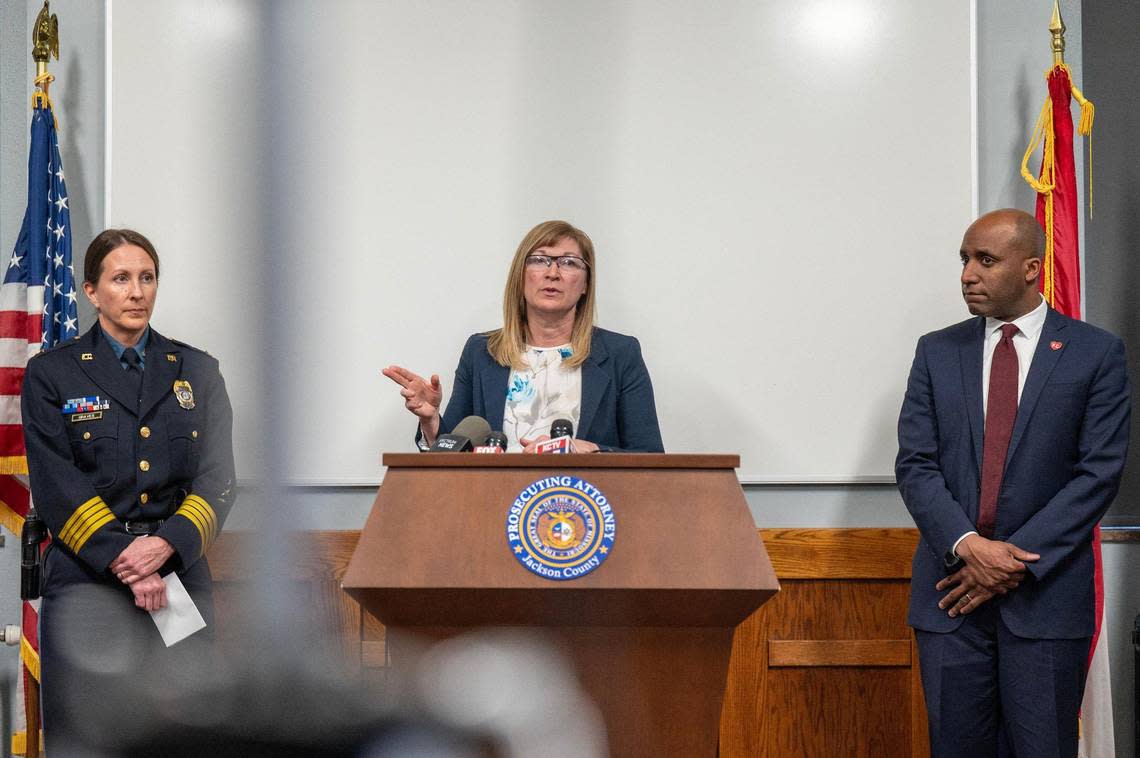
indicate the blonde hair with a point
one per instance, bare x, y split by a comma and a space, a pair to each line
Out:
506, 345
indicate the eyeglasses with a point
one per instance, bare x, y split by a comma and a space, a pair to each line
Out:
565, 263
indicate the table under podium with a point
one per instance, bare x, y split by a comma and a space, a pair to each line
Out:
650, 629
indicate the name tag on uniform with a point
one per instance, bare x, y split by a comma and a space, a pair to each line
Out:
85, 408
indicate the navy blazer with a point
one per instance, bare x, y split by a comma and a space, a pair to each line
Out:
618, 412
1063, 468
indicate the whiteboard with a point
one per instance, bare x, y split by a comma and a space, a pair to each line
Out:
776, 192
183, 142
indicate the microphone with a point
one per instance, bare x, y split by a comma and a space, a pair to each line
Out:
496, 442
460, 439
562, 427
561, 436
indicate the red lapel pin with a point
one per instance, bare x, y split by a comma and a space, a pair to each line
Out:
1056, 345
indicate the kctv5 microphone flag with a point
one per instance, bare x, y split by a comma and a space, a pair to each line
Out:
561, 438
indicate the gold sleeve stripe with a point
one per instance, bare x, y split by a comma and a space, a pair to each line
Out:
209, 518
215, 527
195, 519
202, 516
84, 522
93, 527
78, 517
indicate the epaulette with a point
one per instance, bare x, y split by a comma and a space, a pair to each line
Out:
58, 346
189, 347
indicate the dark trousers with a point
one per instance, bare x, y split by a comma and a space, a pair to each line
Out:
105, 671
992, 694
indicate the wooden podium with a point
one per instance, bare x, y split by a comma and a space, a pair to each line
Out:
650, 630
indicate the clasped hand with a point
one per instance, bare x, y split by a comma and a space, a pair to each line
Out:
992, 568
137, 567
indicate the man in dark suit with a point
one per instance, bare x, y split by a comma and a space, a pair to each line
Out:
1012, 438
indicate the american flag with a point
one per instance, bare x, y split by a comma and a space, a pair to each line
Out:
37, 310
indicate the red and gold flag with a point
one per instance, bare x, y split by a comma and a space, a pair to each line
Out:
1057, 211
1056, 187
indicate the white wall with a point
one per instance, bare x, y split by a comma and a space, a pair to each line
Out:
1013, 48
185, 131
748, 173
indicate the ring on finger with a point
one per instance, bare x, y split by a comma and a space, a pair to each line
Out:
968, 598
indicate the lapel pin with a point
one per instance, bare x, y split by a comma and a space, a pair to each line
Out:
172, 357
1056, 345
87, 357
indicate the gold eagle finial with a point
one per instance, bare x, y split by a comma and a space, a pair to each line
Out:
45, 36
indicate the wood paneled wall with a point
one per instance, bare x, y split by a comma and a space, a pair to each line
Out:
826, 668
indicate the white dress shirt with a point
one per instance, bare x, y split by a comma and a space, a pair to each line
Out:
1025, 342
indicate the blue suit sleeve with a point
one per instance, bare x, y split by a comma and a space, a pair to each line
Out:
638, 430
461, 404
939, 517
1066, 522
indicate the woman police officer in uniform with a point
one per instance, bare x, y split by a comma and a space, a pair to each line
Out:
128, 437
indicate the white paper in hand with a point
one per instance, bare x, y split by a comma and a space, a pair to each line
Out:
180, 618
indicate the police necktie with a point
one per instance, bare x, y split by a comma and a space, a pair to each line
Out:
1001, 410
134, 372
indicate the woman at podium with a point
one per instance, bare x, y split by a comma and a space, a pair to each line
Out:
548, 361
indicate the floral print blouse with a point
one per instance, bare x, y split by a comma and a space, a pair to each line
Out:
542, 393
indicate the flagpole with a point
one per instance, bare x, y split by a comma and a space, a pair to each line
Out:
45, 45
1057, 30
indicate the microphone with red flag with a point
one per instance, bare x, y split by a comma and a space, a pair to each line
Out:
496, 442
561, 438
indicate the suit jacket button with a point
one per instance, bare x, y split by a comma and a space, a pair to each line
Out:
194, 434
144, 465
145, 432
87, 435
143, 498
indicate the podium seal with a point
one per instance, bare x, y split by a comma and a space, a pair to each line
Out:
561, 527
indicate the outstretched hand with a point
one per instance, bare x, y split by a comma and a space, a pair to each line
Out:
423, 397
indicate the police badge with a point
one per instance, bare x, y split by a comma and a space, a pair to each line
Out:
185, 393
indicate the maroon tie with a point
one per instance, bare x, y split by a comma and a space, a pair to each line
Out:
1001, 410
